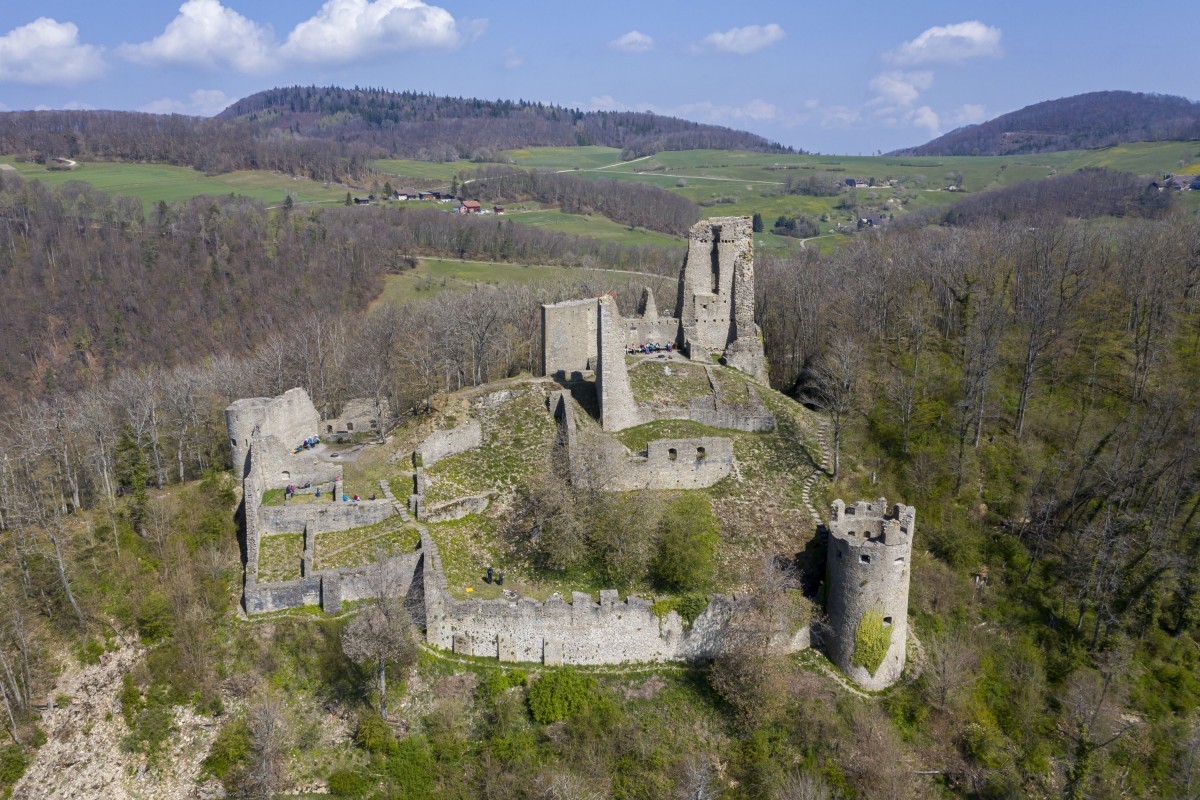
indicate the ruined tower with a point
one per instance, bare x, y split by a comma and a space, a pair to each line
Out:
870, 550
617, 407
716, 295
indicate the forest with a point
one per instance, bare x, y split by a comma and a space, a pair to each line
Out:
1031, 390
1084, 121
90, 283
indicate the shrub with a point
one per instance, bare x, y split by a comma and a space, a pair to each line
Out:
687, 543
871, 641
499, 681
373, 734
559, 694
411, 769
348, 783
230, 750
13, 762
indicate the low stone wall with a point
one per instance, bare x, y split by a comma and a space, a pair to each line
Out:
330, 588
323, 517
580, 632
457, 509
673, 464
441, 444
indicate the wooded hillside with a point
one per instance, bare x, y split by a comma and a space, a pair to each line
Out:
1084, 121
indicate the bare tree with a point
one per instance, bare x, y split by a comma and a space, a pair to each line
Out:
837, 377
952, 660
269, 740
380, 635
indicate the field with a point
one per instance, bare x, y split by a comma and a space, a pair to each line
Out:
152, 183
592, 225
434, 276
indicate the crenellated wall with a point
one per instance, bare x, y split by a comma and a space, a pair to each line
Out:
579, 632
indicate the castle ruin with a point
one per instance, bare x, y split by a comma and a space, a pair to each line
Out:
869, 560
869, 544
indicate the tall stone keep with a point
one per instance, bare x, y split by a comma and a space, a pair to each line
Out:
716, 295
287, 419
618, 410
869, 563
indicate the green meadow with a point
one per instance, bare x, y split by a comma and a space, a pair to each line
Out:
435, 276
152, 183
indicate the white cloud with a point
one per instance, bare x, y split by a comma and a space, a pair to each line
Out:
968, 114
926, 117
895, 88
513, 59
632, 42
605, 102
744, 40
206, 33
70, 105
949, 43
202, 102
350, 30
756, 109
48, 52
839, 116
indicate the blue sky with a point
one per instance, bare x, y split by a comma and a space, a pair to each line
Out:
832, 78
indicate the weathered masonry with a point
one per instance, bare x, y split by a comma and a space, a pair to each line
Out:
870, 550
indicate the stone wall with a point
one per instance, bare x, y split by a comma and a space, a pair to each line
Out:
670, 464
330, 588
358, 415
569, 337
716, 295
617, 407
289, 418
869, 555
322, 517
441, 444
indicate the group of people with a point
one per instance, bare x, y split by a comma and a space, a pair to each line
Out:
346, 498
292, 488
307, 444
648, 347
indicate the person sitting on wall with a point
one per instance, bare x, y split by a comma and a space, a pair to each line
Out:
318, 491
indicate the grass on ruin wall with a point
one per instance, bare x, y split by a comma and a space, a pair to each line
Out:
518, 435
872, 638
356, 546
279, 557
667, 382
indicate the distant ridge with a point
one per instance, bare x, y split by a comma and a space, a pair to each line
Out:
1081, 122
430, 127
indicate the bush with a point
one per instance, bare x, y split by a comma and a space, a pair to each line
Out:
687, 544
230, 750
410, 768
559, 694
373, 734
348, 783
13, 762
500, 681
871, 641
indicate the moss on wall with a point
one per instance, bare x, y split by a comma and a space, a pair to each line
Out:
872, 639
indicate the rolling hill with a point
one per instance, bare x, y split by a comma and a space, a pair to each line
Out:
1084, 121
430, 127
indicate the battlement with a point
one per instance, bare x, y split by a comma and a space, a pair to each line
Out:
871, 522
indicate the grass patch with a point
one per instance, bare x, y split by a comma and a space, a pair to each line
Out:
732, 385
152, 183
637, 438
279, 557
668, 382
518, 435
356, 546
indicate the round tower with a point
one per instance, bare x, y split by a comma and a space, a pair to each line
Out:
869, 555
